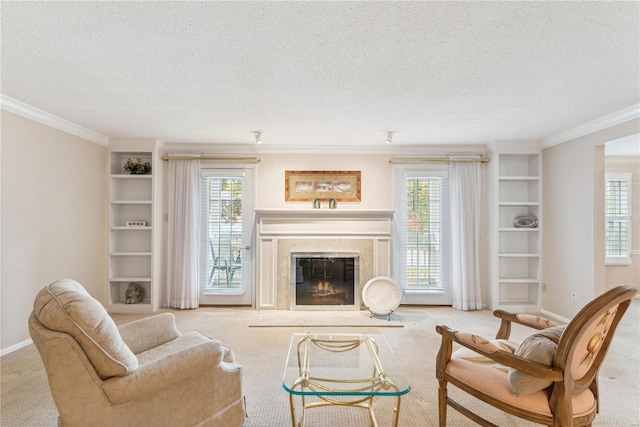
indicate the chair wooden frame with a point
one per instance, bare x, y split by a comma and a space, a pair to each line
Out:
564, 384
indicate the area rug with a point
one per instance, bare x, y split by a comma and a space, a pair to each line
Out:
293, 318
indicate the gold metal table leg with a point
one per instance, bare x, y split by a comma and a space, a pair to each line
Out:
396, 415
372, 417
293, 410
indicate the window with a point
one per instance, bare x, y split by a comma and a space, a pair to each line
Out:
421, 246
223, 231
227, 224
423, 232
618, 218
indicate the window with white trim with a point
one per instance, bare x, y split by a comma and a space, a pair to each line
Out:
618, 218
422, 230
223, 229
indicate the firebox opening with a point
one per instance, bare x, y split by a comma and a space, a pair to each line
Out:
324, 281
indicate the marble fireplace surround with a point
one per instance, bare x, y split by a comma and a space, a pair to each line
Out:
283, 231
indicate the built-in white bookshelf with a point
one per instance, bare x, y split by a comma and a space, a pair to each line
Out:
134, 225
517, 265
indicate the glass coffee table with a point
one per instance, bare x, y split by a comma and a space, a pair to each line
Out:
344, 369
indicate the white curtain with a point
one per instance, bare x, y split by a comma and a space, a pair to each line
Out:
464, 181
183, 255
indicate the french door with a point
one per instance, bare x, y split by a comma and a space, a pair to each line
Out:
421, 249
227, 222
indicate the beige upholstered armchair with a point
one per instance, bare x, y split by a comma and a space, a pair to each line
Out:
550, 378
144, 373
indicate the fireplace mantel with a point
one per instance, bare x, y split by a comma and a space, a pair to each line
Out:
303, 222
325, 214
280, 231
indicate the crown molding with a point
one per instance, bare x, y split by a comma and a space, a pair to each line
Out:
605, 122
265, 148
35, 114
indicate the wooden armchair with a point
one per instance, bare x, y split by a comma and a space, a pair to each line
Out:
547, 382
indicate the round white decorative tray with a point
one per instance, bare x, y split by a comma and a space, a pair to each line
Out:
381, 295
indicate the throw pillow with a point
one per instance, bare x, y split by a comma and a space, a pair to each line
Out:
539, 347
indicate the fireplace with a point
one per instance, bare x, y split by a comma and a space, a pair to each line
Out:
324, 281
363, 233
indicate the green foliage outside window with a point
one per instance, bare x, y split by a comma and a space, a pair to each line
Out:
231, 209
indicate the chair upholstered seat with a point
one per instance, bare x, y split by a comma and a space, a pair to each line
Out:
493, 382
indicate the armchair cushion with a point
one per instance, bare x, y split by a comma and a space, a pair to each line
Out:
494, 383
539, 347
149, 332
66, 306
169, 363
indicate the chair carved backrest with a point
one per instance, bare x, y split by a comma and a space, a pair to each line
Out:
584, 344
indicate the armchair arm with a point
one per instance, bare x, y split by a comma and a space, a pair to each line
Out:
200, 359
484, 347
148, 332
535, 322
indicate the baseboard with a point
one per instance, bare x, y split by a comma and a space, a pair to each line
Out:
563, 319
15, 347
555, 316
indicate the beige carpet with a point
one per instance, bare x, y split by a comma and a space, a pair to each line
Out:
26, 400
295, 318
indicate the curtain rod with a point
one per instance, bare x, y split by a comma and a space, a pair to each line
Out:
210, 157
437, 159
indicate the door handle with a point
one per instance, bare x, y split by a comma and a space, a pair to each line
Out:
248, 247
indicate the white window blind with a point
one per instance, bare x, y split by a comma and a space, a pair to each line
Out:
424, 232
223, 228
618, 218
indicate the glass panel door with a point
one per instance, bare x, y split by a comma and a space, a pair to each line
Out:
421, 248
227, 223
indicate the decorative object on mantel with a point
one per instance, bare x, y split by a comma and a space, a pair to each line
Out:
137, 167
332, 203
134, 293
136, 223
305, 186
525, 221
381, 295
316, 203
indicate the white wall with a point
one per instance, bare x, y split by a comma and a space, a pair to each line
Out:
54, 217
573, 212
375, 172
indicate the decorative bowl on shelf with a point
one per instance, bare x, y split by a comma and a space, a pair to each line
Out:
137, 167
525, 221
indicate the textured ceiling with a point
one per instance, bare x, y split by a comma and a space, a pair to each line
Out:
323, 73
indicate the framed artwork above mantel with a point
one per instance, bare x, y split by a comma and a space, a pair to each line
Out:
305, 186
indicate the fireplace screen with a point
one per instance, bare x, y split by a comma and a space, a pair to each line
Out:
322, 281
